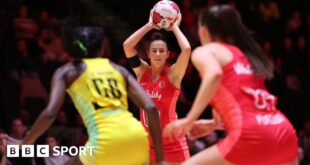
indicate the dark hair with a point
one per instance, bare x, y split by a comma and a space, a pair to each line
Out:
156, 35
225, 21
82, 41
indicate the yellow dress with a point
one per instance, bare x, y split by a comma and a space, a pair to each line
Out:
100, 96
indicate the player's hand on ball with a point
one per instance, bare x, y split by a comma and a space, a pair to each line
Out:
176, 23
151, 23
178, 20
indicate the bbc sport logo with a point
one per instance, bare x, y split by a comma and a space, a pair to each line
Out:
44, 151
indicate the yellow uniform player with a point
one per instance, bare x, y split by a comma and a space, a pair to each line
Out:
99, 90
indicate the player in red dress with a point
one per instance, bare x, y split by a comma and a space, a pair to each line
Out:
233, 69
161, 82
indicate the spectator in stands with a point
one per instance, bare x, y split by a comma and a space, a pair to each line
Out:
17, 129
269, 10
304, 141
24, 63
25, 116
294, 24
24, 26
61, 129
54, 160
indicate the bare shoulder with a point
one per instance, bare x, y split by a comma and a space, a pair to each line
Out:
217, 50
70, 71
62, 70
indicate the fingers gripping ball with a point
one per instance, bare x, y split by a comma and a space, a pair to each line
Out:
164, 13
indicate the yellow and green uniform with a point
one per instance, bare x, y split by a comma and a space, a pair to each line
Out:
100, 96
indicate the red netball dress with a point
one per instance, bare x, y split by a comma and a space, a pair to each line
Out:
165, 96
258, 133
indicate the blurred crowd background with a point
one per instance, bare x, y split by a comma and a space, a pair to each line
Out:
31, 50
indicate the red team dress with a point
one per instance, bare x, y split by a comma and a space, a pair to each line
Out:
258, 133
165, 96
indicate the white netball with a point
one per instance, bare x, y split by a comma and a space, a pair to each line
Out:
164, 13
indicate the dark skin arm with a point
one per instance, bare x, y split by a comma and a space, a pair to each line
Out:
49, 114
137, 94
57, 96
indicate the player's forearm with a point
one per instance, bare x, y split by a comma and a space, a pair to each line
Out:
39, 127
207, 89
131, 42
182, 40
155, 131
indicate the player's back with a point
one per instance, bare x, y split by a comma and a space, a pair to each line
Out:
98, 90
242, 92
101, 85
250, 116
100, 96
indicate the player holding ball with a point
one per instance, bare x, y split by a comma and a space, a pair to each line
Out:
161, 81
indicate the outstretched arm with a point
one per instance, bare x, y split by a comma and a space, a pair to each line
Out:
49, 114
137, 94
179, 68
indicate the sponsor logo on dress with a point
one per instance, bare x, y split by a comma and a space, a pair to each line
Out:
154, 94
243, 69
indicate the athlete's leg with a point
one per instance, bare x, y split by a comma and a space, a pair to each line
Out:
295, 162
210, 155
74, 161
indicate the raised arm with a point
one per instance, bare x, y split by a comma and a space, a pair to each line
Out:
179, 68
49, 114
137, 64
137, 94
